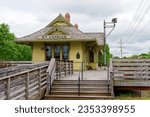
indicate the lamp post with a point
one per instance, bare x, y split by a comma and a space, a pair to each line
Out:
108, 25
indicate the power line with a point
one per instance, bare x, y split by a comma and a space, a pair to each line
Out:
137, 13
138, 20
139, 33
138, 24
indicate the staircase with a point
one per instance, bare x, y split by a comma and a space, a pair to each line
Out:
89, 90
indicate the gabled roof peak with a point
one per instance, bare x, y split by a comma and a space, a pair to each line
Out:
59, 18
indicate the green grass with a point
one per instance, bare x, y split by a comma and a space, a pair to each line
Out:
131, 98
129, 95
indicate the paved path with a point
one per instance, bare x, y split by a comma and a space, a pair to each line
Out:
88, 75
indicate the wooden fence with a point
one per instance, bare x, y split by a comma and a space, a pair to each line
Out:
130, 72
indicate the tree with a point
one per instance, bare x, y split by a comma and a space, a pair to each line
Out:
9, 50
5, 34
108, 55
116, 57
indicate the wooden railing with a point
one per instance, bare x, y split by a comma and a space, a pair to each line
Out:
28, 84
51, 75
131, 72
56, 70
31, 81
63, 68
5, 64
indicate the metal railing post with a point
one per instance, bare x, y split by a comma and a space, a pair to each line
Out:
82, 70
79, 85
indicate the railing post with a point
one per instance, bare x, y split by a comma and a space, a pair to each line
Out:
111, 76
82, 70
8, 89
108, 78
48, 83
112, 83
27, 86
39, 81
69, 67
50, 91
72, 67
65, 64
59, 69
79, 85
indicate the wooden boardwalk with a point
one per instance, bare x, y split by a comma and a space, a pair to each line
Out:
33, 81
88, 75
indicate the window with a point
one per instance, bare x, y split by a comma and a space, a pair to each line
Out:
48, 53
57, 52
78, 55
65, 52
91, 56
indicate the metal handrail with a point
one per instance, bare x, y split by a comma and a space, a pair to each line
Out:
79, 84
79, 79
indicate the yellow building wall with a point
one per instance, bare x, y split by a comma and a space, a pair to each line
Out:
94, 64
60, 23
56, 33
74, 48
38, 52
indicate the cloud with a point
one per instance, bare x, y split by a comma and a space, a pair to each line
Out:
27, 16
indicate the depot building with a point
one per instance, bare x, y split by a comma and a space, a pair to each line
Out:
62, 40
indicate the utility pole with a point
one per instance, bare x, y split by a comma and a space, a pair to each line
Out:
104, 44
121, 48
149, 52
110, 25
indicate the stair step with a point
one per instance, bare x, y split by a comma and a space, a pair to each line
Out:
76, 97
82, 81
89, 89
76, 83
81, 85
91, 93
82, 89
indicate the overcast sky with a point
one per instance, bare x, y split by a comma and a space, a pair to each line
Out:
27, 16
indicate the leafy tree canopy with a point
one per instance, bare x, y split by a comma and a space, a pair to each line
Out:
9, 50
